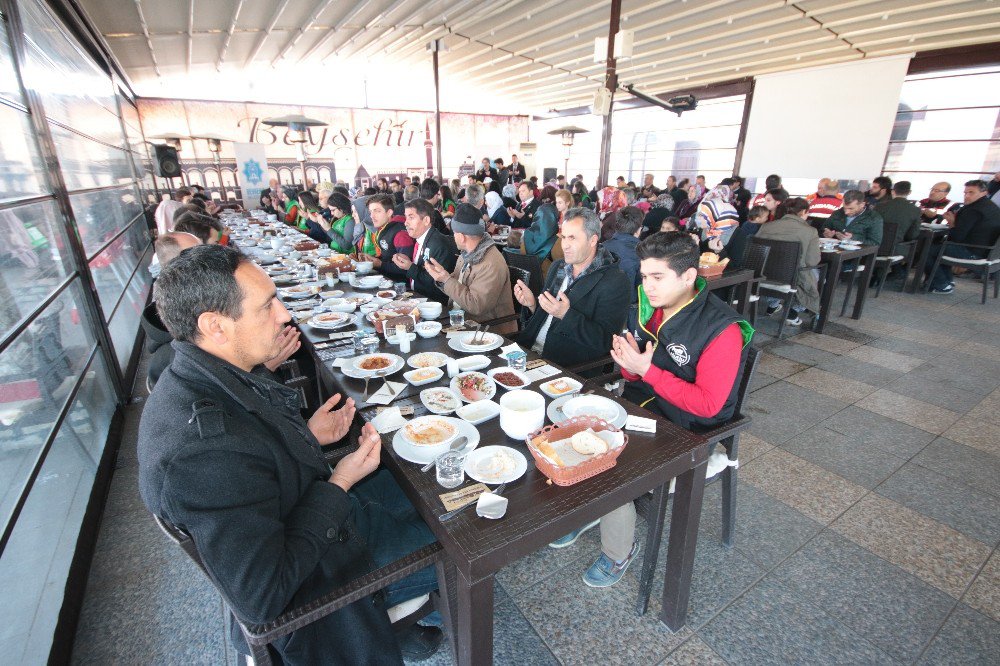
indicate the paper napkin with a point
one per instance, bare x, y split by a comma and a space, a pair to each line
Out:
640, 424
541, 372
383, 396
388, 420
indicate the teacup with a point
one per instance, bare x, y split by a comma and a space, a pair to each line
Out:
521, 413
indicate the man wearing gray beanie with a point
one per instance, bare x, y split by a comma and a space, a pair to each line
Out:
480, 283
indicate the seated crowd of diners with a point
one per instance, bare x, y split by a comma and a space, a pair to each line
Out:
225, 454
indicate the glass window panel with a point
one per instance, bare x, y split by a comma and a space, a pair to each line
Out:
73, 88
35, 564
112, 268
921, 183
37, 372
86, 163
124, 323
949, 91
976, 156
34, 259
20, 166
977, 124
9, 87
130, 115
100, 215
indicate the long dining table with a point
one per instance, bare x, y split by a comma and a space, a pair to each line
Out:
539, 512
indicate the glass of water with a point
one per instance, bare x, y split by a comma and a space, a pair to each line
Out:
399, 288
370, 344
457, 317
517, 360
450, 469
359, 341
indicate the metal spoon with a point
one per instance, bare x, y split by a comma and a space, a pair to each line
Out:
459, 443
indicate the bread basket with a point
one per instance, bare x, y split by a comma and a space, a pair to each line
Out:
567, 476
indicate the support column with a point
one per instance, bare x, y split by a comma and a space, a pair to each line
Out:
611, 84
436, 46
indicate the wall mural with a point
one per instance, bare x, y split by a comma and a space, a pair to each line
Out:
357, 145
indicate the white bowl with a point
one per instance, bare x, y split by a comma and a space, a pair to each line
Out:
435, 375
346, 276
430, 309
428, 329
369, 307
478, 412
521, 413
339, 305
364, 267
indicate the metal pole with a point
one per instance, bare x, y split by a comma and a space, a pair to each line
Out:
611, 84
218, 172
437, 109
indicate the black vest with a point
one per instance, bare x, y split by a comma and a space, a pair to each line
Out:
386, 237
679, 344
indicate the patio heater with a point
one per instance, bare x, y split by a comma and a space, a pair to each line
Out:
299, 126
568, 134
215, 147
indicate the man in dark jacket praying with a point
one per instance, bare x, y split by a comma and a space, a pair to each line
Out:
225, 455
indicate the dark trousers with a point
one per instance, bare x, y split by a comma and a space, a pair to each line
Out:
393, 529
942, 278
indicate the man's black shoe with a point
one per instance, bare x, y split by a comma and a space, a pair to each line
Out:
418, 642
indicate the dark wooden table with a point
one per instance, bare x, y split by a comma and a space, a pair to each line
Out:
538, 512
925, 240
742, 279
835, 260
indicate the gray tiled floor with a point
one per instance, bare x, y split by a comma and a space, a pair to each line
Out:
868, 524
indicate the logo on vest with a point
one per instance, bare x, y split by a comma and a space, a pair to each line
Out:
679, 353
384, 244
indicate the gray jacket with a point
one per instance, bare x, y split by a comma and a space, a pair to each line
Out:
794, 228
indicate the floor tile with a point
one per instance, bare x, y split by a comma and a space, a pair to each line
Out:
967, 637
976, 375
872, 326
825, 342
928, 337
806, 487
544, 562
779, 366
907, 347
800, 353
940, 394
752, 447
988, 409
782, 410
984, 595
844, 455
964, 464
797, 632
889, 607
886, 359
852, 368
846, 330
910, 411
981, 435
842, 388
971, 512
890, 436
978, 349
760, 380
930, 550
694, 652
567, 615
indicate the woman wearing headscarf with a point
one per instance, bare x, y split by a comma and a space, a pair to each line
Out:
716, 216
660, 209
580, 195
688, 207
266, 202
509, 196
289, 202
496, 211
612, 200
362, 217
446, 206
341, 225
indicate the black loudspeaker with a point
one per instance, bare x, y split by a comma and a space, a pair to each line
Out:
548, 174
167, 164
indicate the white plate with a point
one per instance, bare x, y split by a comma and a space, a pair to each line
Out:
434, 409
299, 291
557, 417
475, 461
414, 454
438, 374
477, 362
279, 270
355, 365
332, 293
478, 412
347, 320
546, 388
491, 386
493, 372
438, 359
495, 342
360, 299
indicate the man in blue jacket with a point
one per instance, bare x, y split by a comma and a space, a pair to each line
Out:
628, 228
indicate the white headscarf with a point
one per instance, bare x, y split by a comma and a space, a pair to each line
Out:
493, 203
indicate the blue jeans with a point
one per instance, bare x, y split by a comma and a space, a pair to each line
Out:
942, 277
393, 529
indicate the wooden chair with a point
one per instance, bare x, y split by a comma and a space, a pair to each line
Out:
259, 636
654, 507
887, 258
781, 272
989, 265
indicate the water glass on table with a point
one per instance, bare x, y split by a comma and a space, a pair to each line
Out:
399, 288
456, 318
370, 344
450, 469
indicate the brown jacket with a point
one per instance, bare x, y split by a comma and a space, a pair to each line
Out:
793, 228
484, 292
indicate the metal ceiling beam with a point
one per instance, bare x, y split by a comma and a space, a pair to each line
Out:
229, 35
145, 32
309, 23
383, 15
332, 31
366, 35
267, 32
190, 35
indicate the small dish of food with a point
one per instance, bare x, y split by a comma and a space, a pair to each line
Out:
561, 386
474, 386
509, 378
422, 376
440, 400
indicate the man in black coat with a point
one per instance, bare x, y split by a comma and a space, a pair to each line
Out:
486, 171
976, 223
225, 455
517, 173
428, 243
585, 299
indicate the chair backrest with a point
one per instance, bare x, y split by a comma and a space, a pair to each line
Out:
995, 252
756, 258
517, 273
782, 264
749, 366
530, 263
888, 239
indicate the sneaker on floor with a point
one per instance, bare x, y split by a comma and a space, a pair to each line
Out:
418, 642
605, 572
944, 290
794, 320
571, 538
773, 310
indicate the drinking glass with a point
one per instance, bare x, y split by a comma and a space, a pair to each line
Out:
517, 361
450, 469
359, 340
457, 317
399, 288
370, 344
